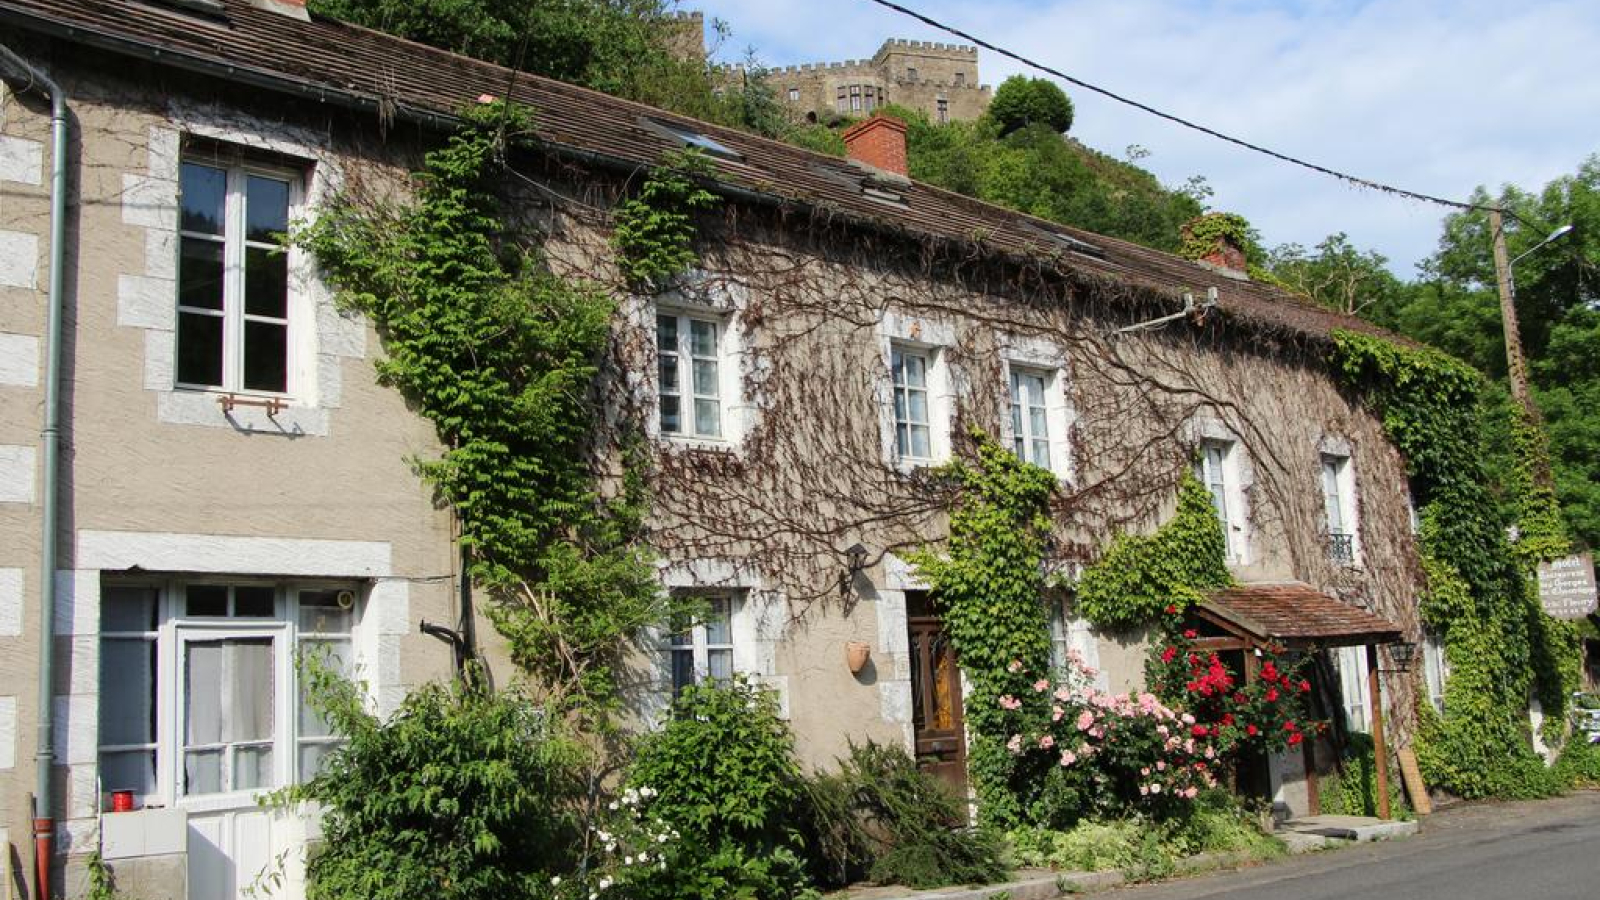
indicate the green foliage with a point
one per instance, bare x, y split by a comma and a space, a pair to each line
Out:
1039, 172
989, 585
1353, 791
724, 775
1139, 576
1021, 101
1203, 234
462, 794
1579, 764
1337, 275
500, 355
102, 885
1455, 306
1481, 595
1146, 850
881, 817
655, 230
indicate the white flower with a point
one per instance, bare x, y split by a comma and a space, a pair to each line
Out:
661, 838
613, 806
605, 882
555, 880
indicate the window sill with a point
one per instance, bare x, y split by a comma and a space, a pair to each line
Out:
683, 444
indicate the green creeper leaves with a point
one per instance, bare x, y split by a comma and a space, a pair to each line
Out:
500, 355
655, 230
1140, 575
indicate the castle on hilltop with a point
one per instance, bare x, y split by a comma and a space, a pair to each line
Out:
939, 79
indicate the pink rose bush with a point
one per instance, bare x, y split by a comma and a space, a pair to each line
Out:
1083, 752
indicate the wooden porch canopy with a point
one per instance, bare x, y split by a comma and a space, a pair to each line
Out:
1289, 614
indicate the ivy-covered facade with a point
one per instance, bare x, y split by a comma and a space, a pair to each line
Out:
619, 402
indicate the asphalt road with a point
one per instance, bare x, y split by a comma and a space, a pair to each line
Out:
1546, 850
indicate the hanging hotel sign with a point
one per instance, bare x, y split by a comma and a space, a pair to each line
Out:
1567, 587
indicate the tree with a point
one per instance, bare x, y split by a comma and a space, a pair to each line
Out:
1455, 307
1337, 275
1022, 101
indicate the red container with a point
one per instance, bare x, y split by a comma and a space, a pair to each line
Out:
122, 801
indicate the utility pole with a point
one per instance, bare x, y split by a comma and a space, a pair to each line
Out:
1516, 364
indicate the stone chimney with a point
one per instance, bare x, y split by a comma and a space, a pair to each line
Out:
294, 9
879, 142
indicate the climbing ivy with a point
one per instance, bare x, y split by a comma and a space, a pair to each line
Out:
1140, 575
1480, 592
989, 584
500, 355
1203, 234
655, 229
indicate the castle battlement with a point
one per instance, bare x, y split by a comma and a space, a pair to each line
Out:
940, 79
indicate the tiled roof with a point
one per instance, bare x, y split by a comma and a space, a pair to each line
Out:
344, 64
1296, 613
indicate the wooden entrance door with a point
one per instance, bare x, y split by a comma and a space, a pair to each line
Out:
938, 729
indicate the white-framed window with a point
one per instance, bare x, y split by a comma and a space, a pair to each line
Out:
942, 110
1339, 509
702, 650
233, 321
1218, 470
913, 402
690, 377
1435, 668
794, 95
1030, 415
199, 694
1353, 694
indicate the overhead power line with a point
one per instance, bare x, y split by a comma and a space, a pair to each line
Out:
1179, 120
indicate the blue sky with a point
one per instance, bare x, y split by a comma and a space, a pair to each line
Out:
1438, 96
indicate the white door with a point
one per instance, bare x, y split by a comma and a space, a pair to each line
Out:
232, 713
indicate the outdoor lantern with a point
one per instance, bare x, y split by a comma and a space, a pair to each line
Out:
855, 561
1402, 652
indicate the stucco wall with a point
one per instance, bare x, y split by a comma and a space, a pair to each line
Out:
164, 480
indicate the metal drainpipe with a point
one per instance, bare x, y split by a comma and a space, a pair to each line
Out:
44, 756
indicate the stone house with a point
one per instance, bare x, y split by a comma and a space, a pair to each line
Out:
231, 483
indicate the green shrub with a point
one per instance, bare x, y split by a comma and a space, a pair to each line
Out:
1578, 766
1353, 791
880, 816
722, 774
1143, 849
462, 794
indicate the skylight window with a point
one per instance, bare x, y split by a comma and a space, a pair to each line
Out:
691, 138
1065, 241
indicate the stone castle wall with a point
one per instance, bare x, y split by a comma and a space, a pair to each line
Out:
939, 79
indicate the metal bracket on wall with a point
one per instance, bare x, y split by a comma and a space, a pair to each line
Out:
273, 405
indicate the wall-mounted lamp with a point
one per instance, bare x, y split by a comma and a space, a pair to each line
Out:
855, 562
1403, 653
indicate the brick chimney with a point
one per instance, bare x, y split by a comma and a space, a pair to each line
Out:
294, 9
1216, 248
880, 142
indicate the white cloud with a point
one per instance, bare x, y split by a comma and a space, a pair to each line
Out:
1433, 95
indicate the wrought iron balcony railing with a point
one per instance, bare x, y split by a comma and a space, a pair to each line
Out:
1342, 549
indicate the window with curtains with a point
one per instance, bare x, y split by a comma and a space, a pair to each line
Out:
702, 649
1030, 420
1338, 503
199, 693
1216, 470
1353, 692
233, 324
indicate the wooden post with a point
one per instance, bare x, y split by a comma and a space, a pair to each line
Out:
1516, 364
1380, 750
